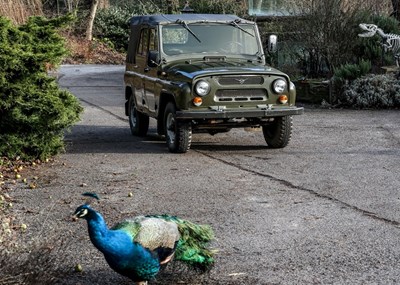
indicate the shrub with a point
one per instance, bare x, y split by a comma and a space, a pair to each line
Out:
111, 25
353, 71
372, 91
34, 112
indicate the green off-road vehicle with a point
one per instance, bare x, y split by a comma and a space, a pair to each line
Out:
204, 73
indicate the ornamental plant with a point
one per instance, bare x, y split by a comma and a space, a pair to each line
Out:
34, 111
372, 91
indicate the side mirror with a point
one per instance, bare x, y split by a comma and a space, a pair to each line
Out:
152, 60
272, 43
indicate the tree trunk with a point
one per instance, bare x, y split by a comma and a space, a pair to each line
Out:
169, 7
104, 4
92, 15
396, 9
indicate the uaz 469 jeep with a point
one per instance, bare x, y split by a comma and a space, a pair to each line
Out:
204, 73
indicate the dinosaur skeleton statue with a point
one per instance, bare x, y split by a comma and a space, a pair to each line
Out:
391, 41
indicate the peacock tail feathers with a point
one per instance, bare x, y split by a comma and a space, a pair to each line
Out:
192, 247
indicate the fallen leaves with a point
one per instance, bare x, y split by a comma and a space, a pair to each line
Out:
18, 171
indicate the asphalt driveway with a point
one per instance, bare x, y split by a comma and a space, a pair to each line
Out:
324, 210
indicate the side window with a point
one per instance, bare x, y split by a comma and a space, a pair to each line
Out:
147, 51
143, 43
153, 40
148, 41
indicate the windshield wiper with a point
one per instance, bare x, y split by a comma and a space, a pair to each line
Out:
260, 55
235, 24
183, 23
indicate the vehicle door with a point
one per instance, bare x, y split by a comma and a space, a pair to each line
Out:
140, 65
145, 98
150, 72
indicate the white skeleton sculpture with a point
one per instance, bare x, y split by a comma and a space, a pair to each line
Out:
392, 41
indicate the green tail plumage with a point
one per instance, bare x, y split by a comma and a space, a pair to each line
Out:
192, 247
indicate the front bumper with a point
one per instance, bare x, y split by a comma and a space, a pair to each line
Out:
221, 113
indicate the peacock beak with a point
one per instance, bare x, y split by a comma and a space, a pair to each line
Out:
74, 218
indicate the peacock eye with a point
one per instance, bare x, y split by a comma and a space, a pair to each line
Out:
82, 213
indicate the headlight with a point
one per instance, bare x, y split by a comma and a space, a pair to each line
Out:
279, 86
292, 86
202, 88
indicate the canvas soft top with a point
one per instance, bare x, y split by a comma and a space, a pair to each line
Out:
153, 20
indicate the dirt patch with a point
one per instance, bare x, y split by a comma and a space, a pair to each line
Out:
83, 51
24, 260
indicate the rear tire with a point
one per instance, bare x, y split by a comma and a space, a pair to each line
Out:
138, 122
279, 133
178, 134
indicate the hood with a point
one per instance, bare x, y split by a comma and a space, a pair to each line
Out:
208, 68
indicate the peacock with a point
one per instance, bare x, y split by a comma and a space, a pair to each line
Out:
138, 247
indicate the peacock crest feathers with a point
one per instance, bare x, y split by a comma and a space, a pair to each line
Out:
90, 197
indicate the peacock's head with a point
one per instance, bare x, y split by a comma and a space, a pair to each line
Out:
82, 212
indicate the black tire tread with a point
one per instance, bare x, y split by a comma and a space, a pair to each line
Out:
183, 132
279, 133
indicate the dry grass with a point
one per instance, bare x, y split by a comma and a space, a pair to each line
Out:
20, 10
39, 263
26, 260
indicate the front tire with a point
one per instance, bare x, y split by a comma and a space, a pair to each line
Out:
138, 122
279, 133
178, 134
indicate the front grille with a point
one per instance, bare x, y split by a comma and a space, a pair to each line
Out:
241, 80
240, 95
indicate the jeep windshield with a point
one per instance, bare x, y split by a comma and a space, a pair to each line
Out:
225, 39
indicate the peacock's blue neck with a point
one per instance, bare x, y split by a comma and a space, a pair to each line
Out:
117, 246
108, 241
98, 230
